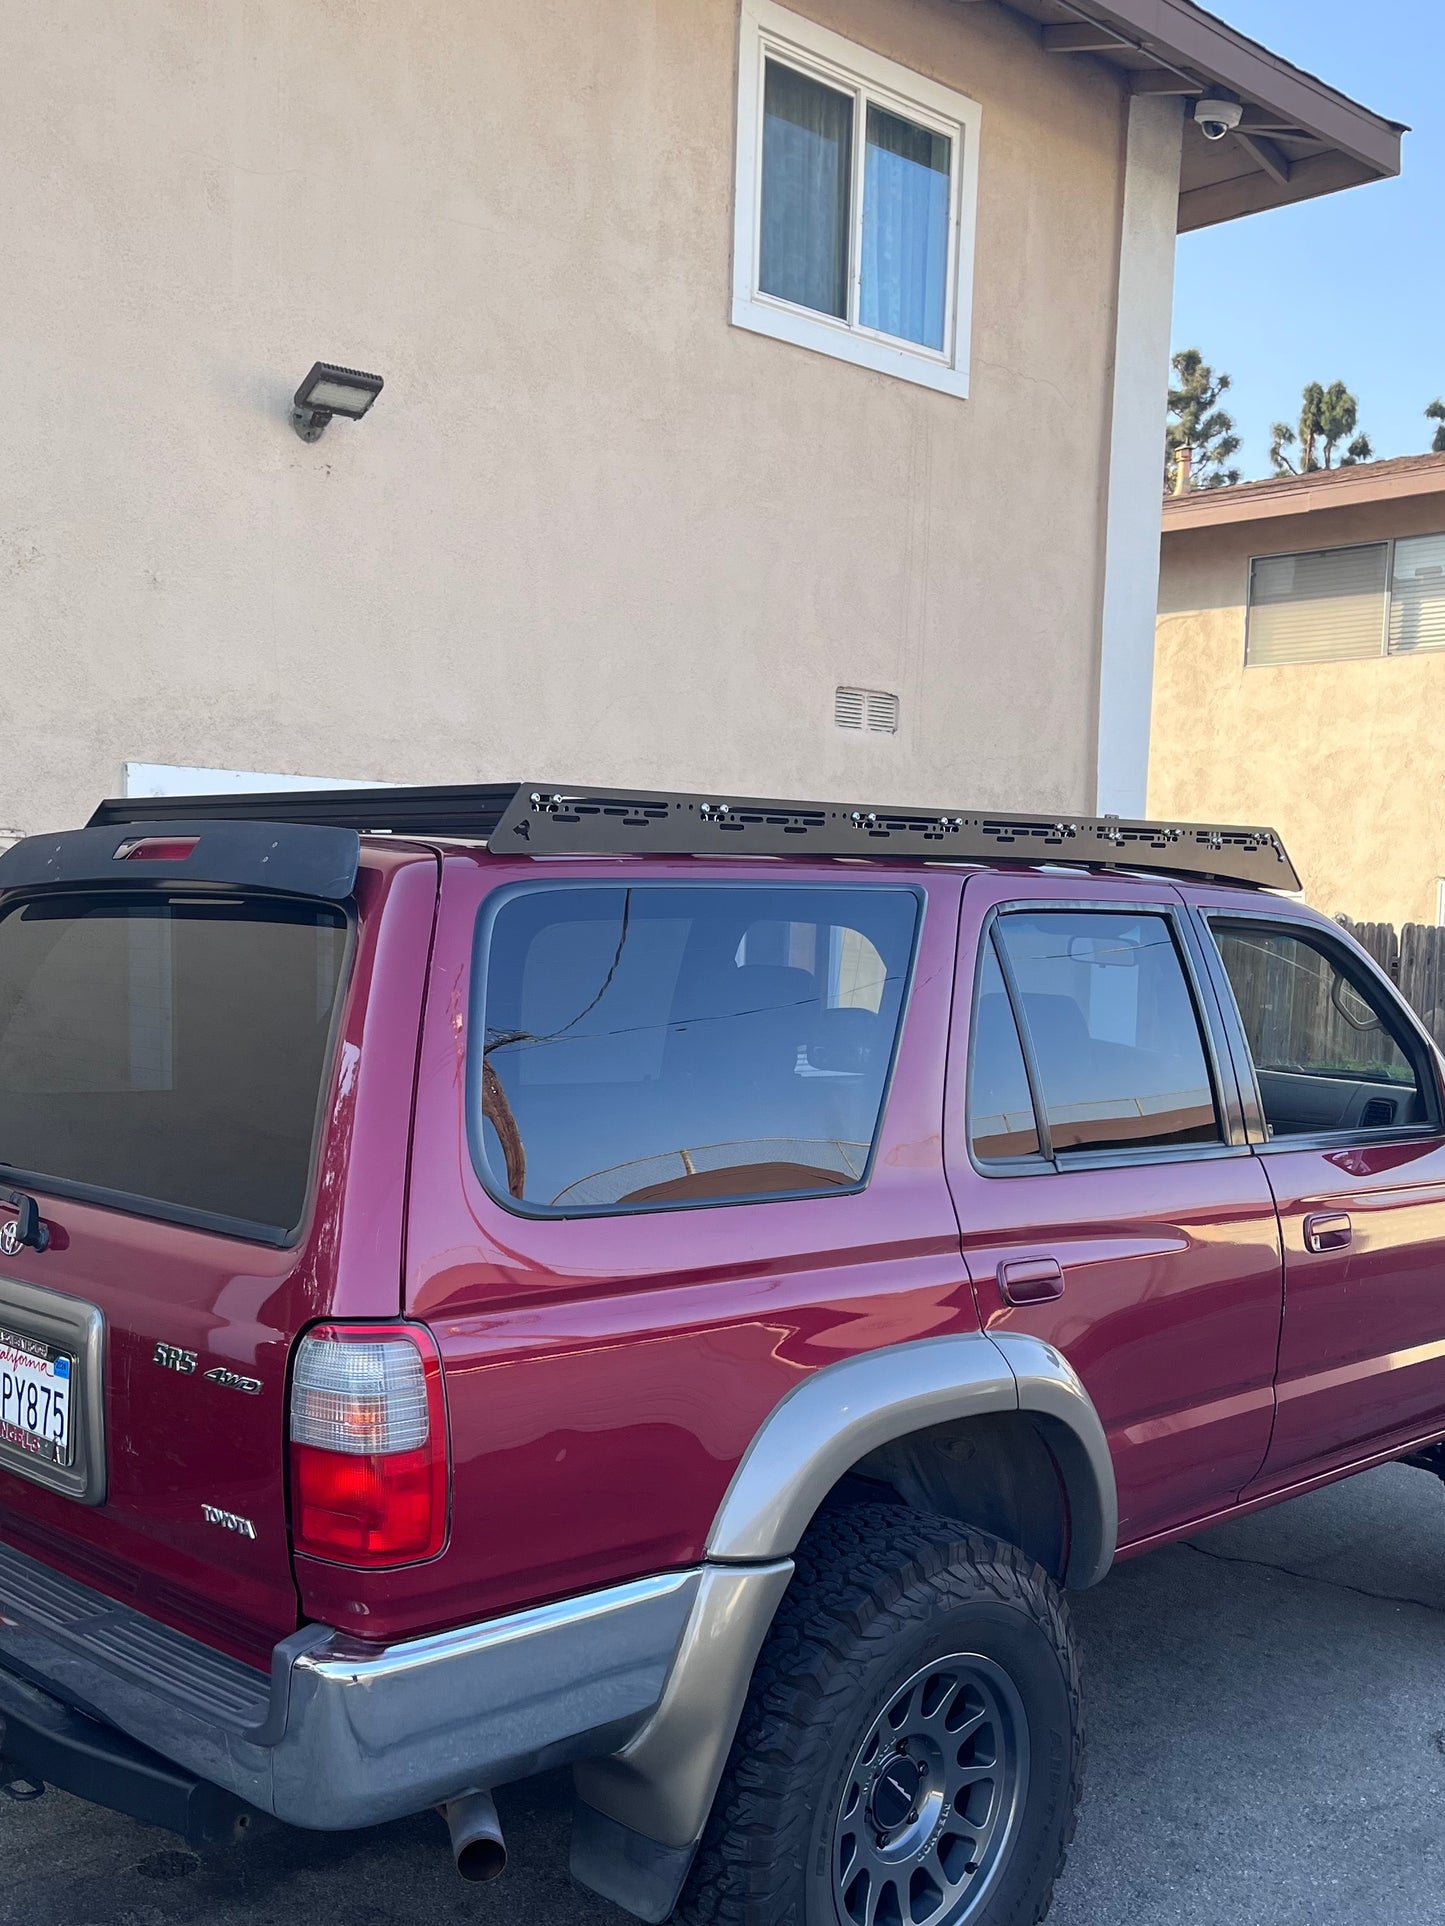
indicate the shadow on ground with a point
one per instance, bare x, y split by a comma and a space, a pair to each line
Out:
1267, 1748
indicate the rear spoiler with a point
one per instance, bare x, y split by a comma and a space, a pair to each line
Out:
291, 859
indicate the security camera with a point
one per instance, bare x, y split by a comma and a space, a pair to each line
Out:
1217, 117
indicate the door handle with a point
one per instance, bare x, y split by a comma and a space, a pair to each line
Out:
1329, 1230
1030, 1280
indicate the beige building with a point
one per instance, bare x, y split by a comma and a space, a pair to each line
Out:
1300, 676
723, 346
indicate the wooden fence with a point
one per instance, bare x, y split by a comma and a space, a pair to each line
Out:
1297, 1013
1294, 1011
1415, 959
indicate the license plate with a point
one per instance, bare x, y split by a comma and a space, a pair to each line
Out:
35, 1386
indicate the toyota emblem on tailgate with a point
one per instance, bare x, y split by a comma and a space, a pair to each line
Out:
25, 1226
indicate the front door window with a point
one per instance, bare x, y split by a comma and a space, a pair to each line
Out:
1329, 1052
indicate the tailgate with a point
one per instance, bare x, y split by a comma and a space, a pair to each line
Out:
217, 1161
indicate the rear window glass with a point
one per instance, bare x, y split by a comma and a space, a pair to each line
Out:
1116, 1042
675, 1044
1001, 1105
171, 1050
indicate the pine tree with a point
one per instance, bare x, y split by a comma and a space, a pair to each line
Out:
1327, 415
1197, 423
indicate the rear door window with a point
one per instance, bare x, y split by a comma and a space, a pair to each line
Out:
168, 1051
1001, 1120
671, 1044
1110, 1021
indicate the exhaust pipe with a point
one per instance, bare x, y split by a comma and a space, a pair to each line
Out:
476, 1833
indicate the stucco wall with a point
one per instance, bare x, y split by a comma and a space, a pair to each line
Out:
1343, 758
590, 531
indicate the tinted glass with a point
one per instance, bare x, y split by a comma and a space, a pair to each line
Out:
1324, 1058
807, 165
169, 1050
676, 1043
1115, 1038
1001, 1109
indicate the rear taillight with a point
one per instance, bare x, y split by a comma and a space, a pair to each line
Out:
368, 1445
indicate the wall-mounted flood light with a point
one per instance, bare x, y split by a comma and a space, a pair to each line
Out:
329, 391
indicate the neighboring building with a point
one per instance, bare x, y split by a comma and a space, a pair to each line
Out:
772, 398
1300, 676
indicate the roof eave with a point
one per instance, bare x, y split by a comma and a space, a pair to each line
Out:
1221, 507
1255, 193
1174, 46
1177, 32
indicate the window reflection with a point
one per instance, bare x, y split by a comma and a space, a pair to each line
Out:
677, 1044
1112, 1025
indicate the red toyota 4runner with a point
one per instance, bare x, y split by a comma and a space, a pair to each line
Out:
491, 1279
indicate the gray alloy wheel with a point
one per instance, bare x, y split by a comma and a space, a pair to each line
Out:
934, 1798
911, 1752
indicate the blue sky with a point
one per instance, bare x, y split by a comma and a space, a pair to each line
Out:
1351, 286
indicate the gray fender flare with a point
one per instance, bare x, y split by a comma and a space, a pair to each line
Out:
643, 1809
830, 1420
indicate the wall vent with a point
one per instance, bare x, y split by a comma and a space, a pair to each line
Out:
872, 710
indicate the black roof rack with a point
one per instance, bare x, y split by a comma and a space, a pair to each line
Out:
538, 820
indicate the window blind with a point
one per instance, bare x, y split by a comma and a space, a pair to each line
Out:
1417, 595
1325, 606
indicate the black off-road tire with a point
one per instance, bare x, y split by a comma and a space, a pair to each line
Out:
880, 1592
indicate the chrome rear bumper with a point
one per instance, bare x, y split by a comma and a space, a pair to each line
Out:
341, 1733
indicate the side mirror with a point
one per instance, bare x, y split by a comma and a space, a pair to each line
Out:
1353, 1007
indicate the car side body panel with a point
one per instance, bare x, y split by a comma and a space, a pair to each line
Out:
1362, 1360
1172, 1290
607, 1375
1362, 1351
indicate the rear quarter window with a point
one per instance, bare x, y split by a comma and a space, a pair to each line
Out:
637, 1048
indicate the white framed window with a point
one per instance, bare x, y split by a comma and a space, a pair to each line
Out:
857, 186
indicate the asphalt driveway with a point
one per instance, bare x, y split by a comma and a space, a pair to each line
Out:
1267, 1745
